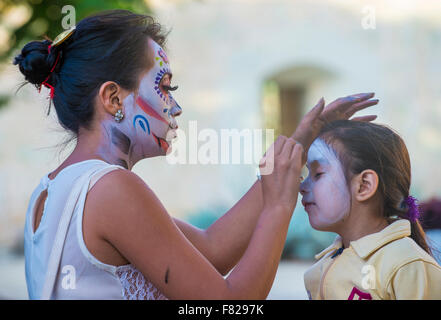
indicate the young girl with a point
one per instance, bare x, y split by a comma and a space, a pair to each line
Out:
358, 187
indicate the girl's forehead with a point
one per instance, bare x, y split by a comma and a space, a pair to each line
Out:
321, 153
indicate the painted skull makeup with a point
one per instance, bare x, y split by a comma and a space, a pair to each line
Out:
325, 193
150, 114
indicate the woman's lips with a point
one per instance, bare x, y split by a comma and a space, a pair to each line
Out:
162, 143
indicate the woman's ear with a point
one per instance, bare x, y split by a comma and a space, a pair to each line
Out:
365, 185
111, 97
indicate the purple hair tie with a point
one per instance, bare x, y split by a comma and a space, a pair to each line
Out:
413, 212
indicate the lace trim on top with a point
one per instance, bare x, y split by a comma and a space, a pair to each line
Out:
135, 286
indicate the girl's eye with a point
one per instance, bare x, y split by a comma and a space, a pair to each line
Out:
318, 174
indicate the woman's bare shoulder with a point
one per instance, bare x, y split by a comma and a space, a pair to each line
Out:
114, 204
118, 181
119, 194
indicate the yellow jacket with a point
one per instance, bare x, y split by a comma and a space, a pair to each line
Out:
383, 265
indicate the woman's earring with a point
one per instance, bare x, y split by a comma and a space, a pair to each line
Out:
119, 115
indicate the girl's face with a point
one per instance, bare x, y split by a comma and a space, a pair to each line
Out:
150, 113
325, 193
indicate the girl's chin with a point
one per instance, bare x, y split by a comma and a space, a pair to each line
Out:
317, 226
321, 225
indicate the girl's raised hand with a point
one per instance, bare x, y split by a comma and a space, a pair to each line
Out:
280, 170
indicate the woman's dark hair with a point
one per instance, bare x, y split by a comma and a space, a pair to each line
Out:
364, 145
108, 46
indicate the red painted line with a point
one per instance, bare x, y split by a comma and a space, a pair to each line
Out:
149, 110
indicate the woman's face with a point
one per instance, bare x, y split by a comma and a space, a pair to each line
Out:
325, 193
149, 118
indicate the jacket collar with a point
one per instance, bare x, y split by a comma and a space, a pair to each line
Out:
337, 244
365, 246
369, 244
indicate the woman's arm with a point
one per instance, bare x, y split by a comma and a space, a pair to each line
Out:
151, 241
225, 241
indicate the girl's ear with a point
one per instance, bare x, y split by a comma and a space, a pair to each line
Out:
366, 184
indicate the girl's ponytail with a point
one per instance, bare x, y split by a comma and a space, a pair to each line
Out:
413, 214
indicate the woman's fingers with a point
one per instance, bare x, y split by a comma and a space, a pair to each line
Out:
278, 144
280, 187
297, 160
296, 154
291, 161
365, 118
266, 164
287, 148
360, 106
344, 103
293, 174
317, 110
362, 96
274, 149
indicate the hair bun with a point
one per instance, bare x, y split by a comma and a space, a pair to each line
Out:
35, 61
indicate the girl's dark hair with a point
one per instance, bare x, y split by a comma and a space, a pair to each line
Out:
108, 46
364, 145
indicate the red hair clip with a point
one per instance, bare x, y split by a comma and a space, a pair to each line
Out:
44, 83
58, 40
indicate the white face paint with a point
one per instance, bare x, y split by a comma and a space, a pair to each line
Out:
150, 115
325, 193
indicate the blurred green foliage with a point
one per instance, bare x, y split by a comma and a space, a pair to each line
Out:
22, 21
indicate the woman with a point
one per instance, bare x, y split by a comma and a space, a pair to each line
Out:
110, 82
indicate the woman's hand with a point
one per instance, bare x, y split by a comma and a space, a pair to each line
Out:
346, 107
280, 187
340, 109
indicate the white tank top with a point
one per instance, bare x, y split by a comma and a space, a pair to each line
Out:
80, 275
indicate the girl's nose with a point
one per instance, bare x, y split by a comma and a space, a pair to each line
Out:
303, 188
